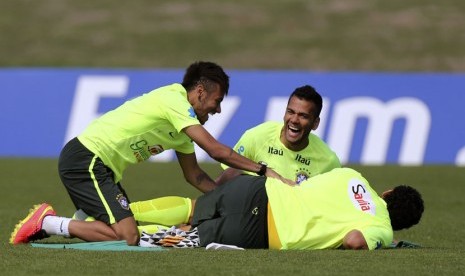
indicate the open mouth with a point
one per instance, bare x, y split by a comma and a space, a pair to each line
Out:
293, 131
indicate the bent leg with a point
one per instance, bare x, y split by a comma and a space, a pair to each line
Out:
126, 229
168, 210
94, 231
91, 231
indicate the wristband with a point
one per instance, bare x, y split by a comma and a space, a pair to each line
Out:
263, 168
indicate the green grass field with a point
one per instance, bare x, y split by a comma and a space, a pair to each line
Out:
317, 35
395, 35
29, 181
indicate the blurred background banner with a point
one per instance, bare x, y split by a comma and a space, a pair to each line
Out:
367, 118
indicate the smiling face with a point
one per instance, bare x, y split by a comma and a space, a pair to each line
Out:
299, 121
205, 102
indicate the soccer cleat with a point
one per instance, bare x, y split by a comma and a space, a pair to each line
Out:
30, 228
146, 240
176, 238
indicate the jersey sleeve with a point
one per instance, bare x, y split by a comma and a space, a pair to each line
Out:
331, 160
177, 110
334, 161
377, 237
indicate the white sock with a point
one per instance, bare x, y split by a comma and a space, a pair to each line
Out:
55, 225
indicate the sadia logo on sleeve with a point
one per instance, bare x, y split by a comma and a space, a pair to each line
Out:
361, 197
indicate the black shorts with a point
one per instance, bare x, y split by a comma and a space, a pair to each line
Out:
234, 213
91, 185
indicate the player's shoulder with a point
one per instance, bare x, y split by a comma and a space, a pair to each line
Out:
170, 96
171, 90
174, 90
317, 141
262, 131
343, 172
347, 171
316, 138
265, 127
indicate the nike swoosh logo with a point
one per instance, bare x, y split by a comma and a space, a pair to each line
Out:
171, 134
61, 227
44, 213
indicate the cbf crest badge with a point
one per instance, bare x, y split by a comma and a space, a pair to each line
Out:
301, 175
156, 149
123, 201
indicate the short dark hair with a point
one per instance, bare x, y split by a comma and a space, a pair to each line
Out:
204, 72
405, 207
309, 93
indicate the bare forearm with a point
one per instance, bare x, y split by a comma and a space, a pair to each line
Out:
218, 151
231, 158
203, 182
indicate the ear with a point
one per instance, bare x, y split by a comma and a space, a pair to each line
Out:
194, 95
201, 91
316, 123
385, 193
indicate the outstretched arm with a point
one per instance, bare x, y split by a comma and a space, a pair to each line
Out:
354, 240
226, 155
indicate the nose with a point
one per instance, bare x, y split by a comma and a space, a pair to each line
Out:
294, 118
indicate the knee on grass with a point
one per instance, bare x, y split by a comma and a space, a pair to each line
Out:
132, 240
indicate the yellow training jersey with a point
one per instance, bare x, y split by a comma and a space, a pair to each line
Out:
262, 143
142, 127
323, 209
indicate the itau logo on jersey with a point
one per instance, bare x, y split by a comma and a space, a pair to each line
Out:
361, 197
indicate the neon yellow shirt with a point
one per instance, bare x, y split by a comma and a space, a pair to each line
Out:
142, 127
262, 143
323, 209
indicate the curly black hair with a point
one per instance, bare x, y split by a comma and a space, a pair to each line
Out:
405, 207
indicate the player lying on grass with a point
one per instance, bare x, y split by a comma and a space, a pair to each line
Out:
337, 209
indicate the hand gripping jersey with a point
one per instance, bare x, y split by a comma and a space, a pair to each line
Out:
323, 209
142, 127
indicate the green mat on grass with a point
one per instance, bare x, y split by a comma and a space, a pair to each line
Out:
97, 246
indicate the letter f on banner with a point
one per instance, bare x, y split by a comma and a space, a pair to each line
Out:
89, 91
